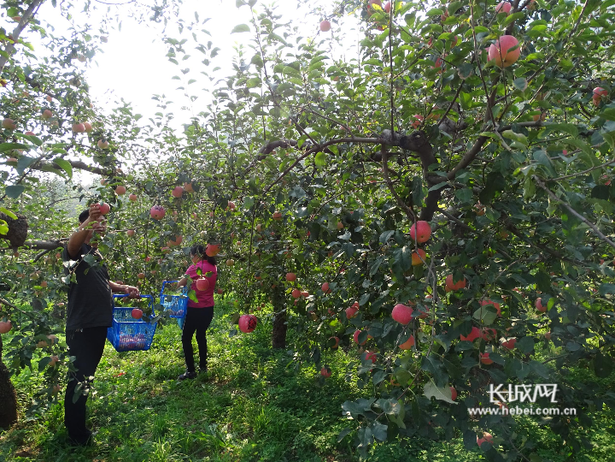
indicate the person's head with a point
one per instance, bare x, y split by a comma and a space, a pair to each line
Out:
198, 252
84, 215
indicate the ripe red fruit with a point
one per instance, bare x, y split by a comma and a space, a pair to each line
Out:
503, 7
548, 335
47, 114
177, 191
407, 344
141, 275
356, 337
402, 313
104, 208
130, 232
325, 372
450, 285
453, 394
418, 121
484, 358
103, 144
351, 311
137, 313
296, 293
202, 284
247, 323
290, 277
539, 306
9, 124
510, 343
473, 335
88, 127
418, 257
420, 231
369, 356
598, 94
387, 7
188, 187
120, 190
211, 250
325, 288
501, 52
495, 305
486, 438
157, 212
277, 215
78, 128
340, 225
337, 342
325, 26
132, 197
488, 334
5, 326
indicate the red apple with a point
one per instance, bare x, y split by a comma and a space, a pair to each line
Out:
132, 197
351, 311
78, 128
402, 313
418, 121
501, 52
356, 337
325, 372
130, 232
325, 288
9, 124
296, 293
420, 231
247, 323
488, 334
484, 358
598, 94
211, 250
539, 306
340, 225
451, 285
188, 187
503, 7
325, 26
5, 326
88, 127
177, 191
453, 394
418, 257
202, 284
157, 212
387, 7
104, 208
120, 190
510, 343
495, 305
277, 215
290, 277
103, 144
337, 342
369, 356
486, 438
53, 360
137, 313
407, 344
141, 275
473, 335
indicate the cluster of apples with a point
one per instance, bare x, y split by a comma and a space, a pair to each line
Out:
419, 233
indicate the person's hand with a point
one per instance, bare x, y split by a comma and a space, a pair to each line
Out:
133, 292
95, 212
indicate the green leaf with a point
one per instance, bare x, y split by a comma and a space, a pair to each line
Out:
8, 213
241, 28
542, 158
431, 390
525, 345
603, 366
486, 315
4, 227
14, 191
605, 289
64, 165
320, 159
520, 84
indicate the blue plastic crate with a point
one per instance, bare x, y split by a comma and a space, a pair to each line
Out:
175, 304
128, 333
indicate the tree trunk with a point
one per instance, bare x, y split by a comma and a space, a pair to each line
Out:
278, 336
8, 398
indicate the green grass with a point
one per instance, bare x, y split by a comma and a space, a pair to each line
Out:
252, 406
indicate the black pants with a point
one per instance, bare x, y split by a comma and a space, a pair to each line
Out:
87, 347
197, 320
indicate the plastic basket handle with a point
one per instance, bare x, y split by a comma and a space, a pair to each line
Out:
184, 289
149, 297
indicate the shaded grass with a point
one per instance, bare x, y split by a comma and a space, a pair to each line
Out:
251, 406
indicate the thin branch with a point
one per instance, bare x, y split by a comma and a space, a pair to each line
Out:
573, 211
572, 175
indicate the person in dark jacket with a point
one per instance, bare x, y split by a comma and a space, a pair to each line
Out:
90, 313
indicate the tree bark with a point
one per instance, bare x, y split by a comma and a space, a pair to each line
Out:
278, 336
8, 398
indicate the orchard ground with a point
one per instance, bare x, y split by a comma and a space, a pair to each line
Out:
255, 404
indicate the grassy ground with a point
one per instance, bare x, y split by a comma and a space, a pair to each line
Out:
250, 407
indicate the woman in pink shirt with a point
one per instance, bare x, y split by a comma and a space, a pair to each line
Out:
199, 313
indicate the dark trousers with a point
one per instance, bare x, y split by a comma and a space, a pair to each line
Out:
197, 320
87, 347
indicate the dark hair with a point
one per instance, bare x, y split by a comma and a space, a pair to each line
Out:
199, 251
84, 215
